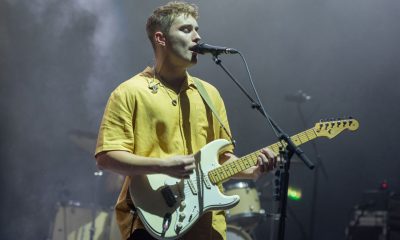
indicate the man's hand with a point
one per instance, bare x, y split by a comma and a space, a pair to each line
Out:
179, 166
266, 161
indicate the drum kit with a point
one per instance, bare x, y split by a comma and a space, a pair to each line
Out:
247, 214
74, 220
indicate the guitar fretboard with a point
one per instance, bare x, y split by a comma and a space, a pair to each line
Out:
226, 171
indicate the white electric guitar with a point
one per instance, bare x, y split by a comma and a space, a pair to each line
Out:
168, 207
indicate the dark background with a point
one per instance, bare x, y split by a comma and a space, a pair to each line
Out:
61, 59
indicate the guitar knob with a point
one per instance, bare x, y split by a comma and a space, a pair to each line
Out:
182, 215
179, 226
183, 204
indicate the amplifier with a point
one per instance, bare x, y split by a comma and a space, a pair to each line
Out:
367, 225
393, 221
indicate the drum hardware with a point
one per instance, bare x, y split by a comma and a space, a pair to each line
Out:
277, 185
248, 213
273, 216
237, 233
112, 182
98, 174
83, 139
74, 220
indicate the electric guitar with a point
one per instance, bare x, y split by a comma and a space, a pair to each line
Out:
168, 207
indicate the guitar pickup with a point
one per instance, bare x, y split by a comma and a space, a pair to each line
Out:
168, 196
192, 187
206, 182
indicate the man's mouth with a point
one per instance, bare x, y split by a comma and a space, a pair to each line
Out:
191, 49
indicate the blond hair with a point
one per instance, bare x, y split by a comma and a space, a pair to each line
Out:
163, 17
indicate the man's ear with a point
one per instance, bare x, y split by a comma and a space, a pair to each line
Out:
159, 38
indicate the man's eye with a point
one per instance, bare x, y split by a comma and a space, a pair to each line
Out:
186, 30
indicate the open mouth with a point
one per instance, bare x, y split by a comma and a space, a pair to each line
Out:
193, 50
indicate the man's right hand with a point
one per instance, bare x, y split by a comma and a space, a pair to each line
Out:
180, 166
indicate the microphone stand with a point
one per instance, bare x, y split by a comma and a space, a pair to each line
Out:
286, 153
98, 174
319, 166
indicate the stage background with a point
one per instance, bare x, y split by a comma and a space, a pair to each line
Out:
61, 59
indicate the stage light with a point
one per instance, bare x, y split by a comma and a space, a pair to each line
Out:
294, 194
384, 185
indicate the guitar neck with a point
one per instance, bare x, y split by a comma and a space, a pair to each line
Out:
227, 170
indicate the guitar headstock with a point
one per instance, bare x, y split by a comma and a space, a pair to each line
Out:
332, 128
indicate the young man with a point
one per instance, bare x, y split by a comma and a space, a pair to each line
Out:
155, 121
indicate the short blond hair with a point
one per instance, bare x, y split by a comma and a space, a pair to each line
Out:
163, 17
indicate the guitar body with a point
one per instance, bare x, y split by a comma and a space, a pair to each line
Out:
168, 206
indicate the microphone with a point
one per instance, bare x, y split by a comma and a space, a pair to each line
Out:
299, 97
203, 48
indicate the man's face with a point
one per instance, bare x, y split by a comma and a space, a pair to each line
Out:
181, 36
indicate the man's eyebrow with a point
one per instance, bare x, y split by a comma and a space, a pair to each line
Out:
186, 25
190, 25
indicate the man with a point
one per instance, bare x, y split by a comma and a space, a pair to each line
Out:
157, 120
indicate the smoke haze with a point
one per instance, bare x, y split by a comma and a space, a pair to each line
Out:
61, 59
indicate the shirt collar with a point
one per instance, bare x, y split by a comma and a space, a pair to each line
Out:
149, 72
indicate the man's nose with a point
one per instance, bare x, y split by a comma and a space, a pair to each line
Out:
196, 37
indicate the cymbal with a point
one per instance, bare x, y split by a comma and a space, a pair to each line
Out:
83, 139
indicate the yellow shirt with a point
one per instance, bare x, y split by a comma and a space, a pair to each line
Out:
145, 122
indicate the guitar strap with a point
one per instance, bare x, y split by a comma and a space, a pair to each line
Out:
207, 99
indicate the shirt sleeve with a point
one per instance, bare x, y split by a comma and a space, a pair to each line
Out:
116, 128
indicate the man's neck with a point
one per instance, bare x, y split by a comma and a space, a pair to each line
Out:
171, 76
